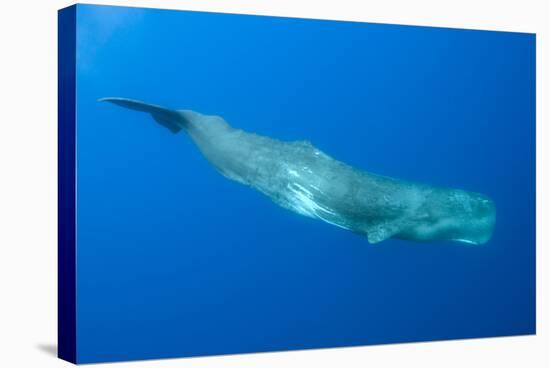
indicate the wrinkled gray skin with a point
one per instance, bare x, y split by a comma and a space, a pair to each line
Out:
301, 178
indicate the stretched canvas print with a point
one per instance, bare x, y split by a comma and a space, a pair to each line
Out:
234, 183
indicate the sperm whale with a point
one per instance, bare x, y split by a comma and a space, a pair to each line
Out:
299, 177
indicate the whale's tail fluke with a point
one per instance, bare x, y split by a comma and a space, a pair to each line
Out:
170, 119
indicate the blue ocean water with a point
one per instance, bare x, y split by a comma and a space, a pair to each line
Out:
175, 260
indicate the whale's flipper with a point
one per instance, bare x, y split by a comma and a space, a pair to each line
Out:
169, 119
384, 231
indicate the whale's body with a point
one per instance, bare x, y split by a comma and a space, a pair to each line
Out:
301, 178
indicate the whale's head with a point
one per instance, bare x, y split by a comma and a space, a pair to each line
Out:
457, 215
472, 217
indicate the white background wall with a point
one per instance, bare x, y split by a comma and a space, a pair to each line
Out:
28, 184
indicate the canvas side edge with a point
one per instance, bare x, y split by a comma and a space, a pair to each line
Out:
66, 184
